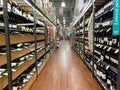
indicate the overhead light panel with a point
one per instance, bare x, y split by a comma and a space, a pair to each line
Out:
63, 4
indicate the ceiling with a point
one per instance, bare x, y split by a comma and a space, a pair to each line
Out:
67, 11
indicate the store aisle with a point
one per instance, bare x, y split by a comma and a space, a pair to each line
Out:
65, 71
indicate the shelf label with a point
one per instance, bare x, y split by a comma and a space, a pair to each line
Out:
116, 18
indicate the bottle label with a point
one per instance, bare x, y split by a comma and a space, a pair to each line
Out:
116, 51
107, 67
109, 48
108, 81
106, 56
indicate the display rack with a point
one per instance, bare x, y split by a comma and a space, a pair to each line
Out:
23, 49
103, 59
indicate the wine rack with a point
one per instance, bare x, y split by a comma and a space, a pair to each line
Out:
87, 53
106, 47
103, 61
29, 49
79, 36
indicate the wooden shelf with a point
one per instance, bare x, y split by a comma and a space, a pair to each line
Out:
19, 70
17, 54
14, 39
30, 82
43, 65
41, 53
48, 48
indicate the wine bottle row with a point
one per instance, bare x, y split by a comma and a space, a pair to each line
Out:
106, 47
108, 76
104, 58
18, 17
106, 8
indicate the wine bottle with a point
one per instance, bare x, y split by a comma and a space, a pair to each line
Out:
104, 77
2, 71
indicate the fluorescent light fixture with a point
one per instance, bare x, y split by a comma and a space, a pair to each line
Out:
63, 4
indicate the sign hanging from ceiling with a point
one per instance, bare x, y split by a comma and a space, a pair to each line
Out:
51, 30
116, 18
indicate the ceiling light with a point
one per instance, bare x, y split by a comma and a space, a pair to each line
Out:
63, 4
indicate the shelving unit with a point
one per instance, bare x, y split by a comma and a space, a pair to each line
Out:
24, 48
103, 59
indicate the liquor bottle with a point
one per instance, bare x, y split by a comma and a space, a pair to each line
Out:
111, 79
2, 72
98, 71
103, 70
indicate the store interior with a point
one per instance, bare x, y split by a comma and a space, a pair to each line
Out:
59, 44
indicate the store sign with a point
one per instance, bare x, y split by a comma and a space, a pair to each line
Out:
116, 18
51, 30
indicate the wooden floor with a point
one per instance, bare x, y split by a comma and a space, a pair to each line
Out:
65, 71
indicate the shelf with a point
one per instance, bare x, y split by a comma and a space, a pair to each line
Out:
36, 8
111, 67
17, 54
20, 17
43, 65
14, 39
41, 53
104, 85
47, 49
103, 14
30, 82
89, 65
19, 70
107, 45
